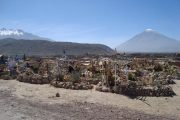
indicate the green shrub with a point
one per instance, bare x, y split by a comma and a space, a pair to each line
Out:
75, 77
132, 77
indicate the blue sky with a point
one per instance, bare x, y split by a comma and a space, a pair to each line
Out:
109, 22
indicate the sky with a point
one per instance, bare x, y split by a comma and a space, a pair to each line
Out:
109, 22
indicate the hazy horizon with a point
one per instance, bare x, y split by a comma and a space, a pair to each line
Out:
91, 21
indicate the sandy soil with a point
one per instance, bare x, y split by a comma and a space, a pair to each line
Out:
27, 101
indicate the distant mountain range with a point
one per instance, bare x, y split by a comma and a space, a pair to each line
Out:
18, 34
150, 41
10, 46
14, 42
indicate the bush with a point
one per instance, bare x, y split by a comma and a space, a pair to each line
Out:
4, 73
138, 73
75, 77
158, 67
6, 77
132, 77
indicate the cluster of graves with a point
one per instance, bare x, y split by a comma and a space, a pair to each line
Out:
131, 77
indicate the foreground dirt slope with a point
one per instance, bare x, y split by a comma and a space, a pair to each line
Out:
37, 102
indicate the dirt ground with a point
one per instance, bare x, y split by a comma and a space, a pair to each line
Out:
23, 101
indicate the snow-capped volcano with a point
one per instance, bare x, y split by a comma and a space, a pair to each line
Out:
150, 41
18, 34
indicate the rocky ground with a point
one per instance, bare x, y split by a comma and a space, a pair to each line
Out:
23, 101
